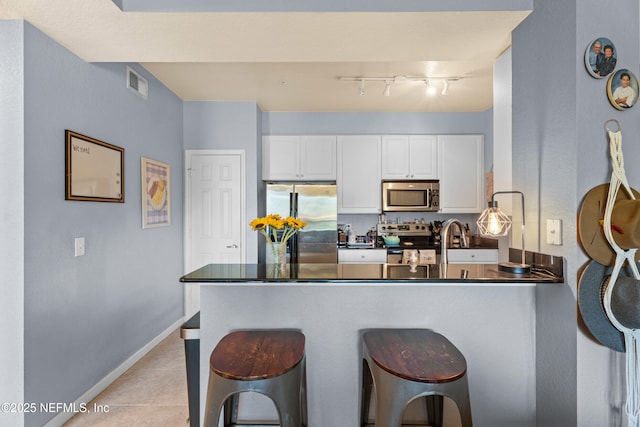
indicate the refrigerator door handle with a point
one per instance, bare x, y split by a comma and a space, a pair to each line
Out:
293, 241
293, 205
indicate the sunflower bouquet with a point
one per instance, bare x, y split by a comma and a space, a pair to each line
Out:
277, 230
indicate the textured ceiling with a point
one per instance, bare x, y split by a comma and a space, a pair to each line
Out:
289, 61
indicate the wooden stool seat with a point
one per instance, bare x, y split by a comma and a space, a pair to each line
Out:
255, 354
404, 364
416, 355
269, 362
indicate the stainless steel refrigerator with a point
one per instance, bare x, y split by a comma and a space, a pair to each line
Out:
316, 204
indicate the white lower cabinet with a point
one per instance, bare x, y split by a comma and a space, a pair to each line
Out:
362, 256
472, 256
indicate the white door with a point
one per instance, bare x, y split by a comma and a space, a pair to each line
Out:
214, 213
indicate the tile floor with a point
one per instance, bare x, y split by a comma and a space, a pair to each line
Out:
153, 392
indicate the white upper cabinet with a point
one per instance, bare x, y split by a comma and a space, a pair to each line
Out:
359, 174
461, 173
410, 157
299, 158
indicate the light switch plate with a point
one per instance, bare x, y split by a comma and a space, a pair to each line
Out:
554, 232
79, 246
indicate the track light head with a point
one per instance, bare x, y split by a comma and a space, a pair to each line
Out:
362, 91
387, 88
430, 89
445, 88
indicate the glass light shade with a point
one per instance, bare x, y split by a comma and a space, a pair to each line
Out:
493, 222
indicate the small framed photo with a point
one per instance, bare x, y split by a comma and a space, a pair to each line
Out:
601, 57
622, 89
156, 193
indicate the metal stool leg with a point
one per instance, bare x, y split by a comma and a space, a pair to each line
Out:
367, 388
391, 398
217, 394
435, 405
286, 391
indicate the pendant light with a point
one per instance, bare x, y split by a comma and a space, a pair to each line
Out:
494, 222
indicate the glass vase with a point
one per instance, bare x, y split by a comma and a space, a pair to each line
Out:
278, 257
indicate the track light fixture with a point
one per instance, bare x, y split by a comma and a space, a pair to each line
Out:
432, 83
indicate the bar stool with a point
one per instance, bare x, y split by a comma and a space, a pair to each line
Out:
270, 362
404, 364
190, 333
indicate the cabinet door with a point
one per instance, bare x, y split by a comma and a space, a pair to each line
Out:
423, 157
358, 177
395, 157
473, 256
461, 173
362, 256
280, 158
318, 158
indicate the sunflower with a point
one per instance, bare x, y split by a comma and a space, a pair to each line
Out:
269, 225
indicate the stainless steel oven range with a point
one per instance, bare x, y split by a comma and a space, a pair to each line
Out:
412, 236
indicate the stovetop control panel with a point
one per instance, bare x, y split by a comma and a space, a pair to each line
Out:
404, 229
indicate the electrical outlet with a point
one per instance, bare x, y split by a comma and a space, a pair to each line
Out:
554, 232
79, 246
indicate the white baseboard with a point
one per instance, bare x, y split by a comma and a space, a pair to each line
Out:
94, 391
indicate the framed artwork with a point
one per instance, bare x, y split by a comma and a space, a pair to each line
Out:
601, 57
622, 89
94, 170
156, 193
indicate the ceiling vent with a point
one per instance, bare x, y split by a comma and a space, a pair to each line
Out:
137, 83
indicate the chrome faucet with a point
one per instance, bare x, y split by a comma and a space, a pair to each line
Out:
444, 238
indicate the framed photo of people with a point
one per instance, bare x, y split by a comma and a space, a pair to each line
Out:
601, 57
622, 89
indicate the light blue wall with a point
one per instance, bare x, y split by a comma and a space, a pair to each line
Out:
375, 123
559, 153
601, 372
544, 168
12, 217
230, 126
84, 316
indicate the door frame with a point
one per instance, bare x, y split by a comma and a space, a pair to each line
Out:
188, 155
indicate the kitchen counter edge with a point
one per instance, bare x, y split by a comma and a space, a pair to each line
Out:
487, 274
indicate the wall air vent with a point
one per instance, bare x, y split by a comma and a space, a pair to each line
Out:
137, 83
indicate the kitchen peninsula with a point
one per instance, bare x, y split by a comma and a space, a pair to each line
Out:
488, 314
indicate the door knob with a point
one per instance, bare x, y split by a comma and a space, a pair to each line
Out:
232, 246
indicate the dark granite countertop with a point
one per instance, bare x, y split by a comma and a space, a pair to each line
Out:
364, 273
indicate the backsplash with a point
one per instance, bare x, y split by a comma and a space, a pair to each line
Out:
540, 261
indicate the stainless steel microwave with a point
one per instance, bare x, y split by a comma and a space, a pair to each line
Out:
410, 196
